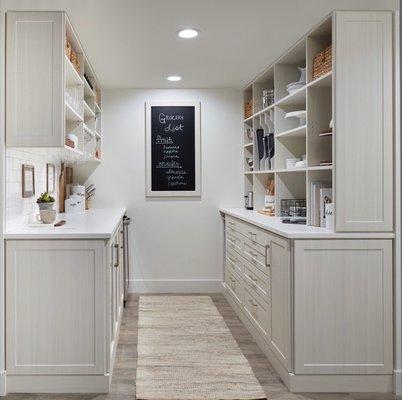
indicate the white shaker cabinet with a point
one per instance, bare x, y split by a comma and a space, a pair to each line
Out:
64, 303
280, 300
343, 306
363, 121
54, 308
35, 79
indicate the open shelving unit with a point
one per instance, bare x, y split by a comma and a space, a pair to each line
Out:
293, 138
82, 104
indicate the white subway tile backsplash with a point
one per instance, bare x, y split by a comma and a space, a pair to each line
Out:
19, 209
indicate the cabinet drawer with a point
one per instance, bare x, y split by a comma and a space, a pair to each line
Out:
258, 282
234, 243
233, 224
234, 261
255, 234
258, 312
234, 286
234, 233
255, 256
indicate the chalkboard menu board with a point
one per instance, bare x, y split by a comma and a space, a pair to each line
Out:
173, 149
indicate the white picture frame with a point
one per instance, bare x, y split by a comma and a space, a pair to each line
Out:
148, 150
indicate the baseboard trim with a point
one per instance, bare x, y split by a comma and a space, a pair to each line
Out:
341, 383
175, 286
3, 388
57, 384
397, 382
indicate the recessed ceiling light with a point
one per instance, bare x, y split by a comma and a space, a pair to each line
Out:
174, 78
188, 33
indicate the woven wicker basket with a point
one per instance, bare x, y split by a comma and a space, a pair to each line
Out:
322, 62
248, 109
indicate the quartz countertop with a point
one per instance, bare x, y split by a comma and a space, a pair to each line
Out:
98, 223
294, 231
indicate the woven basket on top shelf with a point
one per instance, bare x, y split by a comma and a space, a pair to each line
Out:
322, 63
248, 109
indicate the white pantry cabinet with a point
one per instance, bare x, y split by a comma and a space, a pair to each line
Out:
363, 121
64, 303
353, 89
320, 309
343, 306
48, 96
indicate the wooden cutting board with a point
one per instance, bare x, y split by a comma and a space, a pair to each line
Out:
62, 188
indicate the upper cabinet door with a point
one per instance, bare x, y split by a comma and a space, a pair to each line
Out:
35, 79
363, 121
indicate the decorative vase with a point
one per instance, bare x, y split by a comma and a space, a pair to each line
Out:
302, 78
45, 206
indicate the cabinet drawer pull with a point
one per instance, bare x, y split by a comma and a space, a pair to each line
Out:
116, 264
232, 260
233, 280
253, 236
232, 241
252, 278
231, 223
252, 303
267, 246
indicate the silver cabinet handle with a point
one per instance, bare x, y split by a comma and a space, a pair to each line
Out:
252, 303
267, 246
116, 264
232, 279
252, 278
252, 234
231, 260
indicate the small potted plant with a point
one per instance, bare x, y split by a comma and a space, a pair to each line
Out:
45, 201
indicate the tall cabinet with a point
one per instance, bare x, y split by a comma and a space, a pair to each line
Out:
53, 96
354, 155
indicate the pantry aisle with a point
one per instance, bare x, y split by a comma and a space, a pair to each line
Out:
123, 384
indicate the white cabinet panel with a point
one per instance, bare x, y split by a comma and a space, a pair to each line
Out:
35, 79
55, 313
280, 300
343, 307
363, 121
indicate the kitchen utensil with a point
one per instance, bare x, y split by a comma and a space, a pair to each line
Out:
62, 187
60, 223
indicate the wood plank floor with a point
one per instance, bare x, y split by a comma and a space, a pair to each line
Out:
123, 383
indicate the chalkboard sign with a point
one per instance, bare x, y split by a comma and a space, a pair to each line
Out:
173, 145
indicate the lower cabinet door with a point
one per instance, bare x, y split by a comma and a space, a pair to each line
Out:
343, 306
55, 307
280, 341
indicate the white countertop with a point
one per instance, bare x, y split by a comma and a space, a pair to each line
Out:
98, 223
294, 231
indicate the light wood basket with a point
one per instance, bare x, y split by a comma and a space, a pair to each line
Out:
248, 109
322, 62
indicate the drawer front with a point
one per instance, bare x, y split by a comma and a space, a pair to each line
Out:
234, 243
234, 286
258, 312
255, 234
233, 224
256, 257
258, 282
234, 233
234, 262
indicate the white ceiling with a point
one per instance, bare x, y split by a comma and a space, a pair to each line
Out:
132, 43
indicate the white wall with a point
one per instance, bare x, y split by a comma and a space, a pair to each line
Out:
176, 244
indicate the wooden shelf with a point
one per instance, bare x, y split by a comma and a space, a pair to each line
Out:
88, 112
322, 81
72, 115
300, 131
88, 92
75, 151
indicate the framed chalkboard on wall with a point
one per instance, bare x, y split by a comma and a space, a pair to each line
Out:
173, 148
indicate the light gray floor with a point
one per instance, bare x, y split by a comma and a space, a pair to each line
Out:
123, 383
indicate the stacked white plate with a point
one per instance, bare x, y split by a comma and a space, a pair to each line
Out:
294, 87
